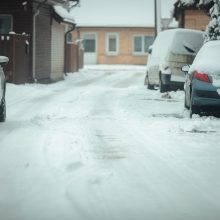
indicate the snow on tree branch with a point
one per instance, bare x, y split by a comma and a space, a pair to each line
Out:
213, 29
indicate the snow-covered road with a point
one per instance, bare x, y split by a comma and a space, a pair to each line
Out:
99, 146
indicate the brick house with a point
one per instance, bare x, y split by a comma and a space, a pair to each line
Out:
115, 33
115, 45
46, 28
194, 15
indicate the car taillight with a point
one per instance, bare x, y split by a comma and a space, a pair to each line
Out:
202, 77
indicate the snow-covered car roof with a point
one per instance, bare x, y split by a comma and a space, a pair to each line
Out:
178, 41
207, 59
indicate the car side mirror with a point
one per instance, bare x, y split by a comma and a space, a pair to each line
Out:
3, 60
186, 68
150, 50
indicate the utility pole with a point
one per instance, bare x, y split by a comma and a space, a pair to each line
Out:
157, 16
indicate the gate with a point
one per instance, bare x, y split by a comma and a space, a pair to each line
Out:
16, 47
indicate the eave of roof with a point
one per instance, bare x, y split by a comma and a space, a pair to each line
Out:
50, 2
61, 15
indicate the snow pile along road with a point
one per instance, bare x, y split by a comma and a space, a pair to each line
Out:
100, 146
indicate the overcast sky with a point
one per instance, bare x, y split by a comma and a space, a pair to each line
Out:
120, 12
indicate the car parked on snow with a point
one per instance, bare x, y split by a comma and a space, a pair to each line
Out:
202, 86
171, 50
3, 61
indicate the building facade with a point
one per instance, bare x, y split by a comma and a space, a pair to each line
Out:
115, 45
45, 28
193, 15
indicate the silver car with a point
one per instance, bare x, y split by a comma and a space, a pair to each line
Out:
3, 61
202, 86
171, 50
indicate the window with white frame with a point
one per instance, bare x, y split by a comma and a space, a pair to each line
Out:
5, 24
112, 43
141, 43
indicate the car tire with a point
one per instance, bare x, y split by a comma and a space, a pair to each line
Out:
147, 83
162, 87
2, 111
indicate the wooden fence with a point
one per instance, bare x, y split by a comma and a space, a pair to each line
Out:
16, 47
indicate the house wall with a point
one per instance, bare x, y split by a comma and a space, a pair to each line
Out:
22, 15
43, 44
196, 19
125, 54
43, 66
57, 51
22, 21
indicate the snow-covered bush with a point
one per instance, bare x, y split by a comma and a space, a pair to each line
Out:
213, 29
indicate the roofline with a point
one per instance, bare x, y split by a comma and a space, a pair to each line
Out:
114, 26
50, 2
61, 19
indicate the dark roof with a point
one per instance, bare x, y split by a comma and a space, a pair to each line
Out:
55, 2
51, 2
181, 5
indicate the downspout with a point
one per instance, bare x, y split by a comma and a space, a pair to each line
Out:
65, 49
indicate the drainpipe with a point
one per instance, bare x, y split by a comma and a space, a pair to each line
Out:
65, 50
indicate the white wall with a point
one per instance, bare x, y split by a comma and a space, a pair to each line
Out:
57, 50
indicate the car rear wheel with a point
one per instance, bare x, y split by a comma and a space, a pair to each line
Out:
2, 111
147, 83
163, 87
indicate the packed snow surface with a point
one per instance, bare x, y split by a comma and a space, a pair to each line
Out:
100, 146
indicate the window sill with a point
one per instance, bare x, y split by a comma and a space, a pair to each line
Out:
140, 54
112, 54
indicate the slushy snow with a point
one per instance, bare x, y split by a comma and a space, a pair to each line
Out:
100, 146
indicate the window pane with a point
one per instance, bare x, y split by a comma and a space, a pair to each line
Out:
89, 45
148, 41
138, 44
5, 24
112, 45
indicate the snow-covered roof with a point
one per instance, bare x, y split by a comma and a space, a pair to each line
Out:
65, 16
119, 13
189, 3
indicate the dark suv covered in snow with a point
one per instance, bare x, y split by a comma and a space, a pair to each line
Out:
3, 61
